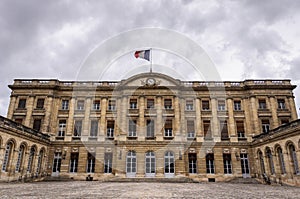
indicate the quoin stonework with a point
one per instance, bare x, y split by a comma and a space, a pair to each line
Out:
151, 126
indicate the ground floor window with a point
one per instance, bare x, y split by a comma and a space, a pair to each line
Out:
40, 161
227, 163
245, 163
20, 158
7, 154
281, 161
293, 156
56, 162
210, 168
90, 163
30, 160
131, 162
261, 161
108, 163
150, 163
192, 163
74, 163
169, 163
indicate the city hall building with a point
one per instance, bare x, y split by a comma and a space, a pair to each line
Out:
151, 126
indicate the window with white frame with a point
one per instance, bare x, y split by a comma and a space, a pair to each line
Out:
262, 104
133, 104
96, 105
91, 163
168, 103
189, 105
20, 158
210, 167
227, 163
294, 161
131, 162
65, 104
221, 105
190, 129
110, 129
205, 105
168, 128
169, 163
40, 162
150, 129
7, 156
192, 162
265, 124
74, 163
94, 128
150, 163
132, 128
62, 128
108, 163
237, 105
281, 104
270, 161
240, 129
30, 159
56, 162
77, 128
80, 105
281, 160
111, 105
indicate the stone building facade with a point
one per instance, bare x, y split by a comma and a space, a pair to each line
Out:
152, 125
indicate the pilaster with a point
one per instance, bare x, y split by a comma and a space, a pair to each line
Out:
29, 108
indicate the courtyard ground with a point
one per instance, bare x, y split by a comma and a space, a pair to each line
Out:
94, 189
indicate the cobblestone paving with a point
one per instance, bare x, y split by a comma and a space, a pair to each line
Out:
81, 189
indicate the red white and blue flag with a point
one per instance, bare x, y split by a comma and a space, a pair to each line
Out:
144, 54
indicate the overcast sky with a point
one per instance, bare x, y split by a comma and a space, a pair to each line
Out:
245, 39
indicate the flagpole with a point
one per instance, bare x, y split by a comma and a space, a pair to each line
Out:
151, 60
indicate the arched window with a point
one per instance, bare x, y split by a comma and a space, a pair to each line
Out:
40, 161
131, 164
169, 164
150, 164
281, 160
270, 160
20, 158
30, 160
294, 160
7, 156
262, 164
210, 167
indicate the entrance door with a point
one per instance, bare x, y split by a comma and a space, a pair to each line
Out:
56, 164
131, 164
245, 165
150, 164
169, 165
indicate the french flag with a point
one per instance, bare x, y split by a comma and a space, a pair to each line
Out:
144, 54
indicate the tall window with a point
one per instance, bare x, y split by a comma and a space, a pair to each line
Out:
74, 163
133, 103
56, 162
65, 104
90, 163
210, 168
169, 163
205, 105
40, 162
22, 104
77, 128
262, 104
132, 128
131, 163
80, 104
150, 128
261, 161
110, 129
168, 128
108, 163
294, 160
168, 103
281, 104
224, 130
189, 105
190, 129
30, 160
150, 163
96, 105
37, 124
265, 124
227, 163
7, 156
245, 164
270, 161
207, 130
237, 105
20, 158
192, 163
281, 160
240, 129
62, 127
111, 105
150, 103
94, 128
40, 103
221, 105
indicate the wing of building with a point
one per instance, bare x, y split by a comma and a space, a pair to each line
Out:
151, 126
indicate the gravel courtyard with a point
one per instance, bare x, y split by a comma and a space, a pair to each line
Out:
82, 189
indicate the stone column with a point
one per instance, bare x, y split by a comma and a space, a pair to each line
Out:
119, 119
140, 158
12, 107
255, 122
48, 110
215, 127
218, 160
231, 122
159, 120
247, 121
179, 120
99, 167
292, 108
273, 106
124, 121
29, 108
103, 118
141, 132
198, 130
70, 122
82, 160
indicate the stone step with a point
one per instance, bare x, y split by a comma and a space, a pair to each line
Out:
163, 180
244, 181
